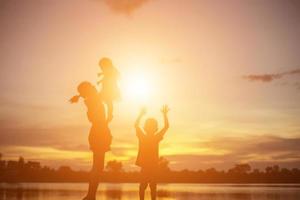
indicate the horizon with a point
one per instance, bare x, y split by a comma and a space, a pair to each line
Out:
110, 166
229, 71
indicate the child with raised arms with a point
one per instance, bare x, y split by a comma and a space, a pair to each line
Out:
148, 155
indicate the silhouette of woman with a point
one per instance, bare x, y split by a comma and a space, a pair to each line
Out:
99, 136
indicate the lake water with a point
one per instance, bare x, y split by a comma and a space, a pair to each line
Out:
74, 191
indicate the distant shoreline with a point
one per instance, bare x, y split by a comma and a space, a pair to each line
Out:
273, 184
33, 172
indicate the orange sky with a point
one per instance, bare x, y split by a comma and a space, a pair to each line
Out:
191, 55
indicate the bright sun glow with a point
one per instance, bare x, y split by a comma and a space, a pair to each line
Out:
137, 87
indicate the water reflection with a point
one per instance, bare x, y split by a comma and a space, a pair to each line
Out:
34, 191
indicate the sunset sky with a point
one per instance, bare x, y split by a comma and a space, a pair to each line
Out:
229, 71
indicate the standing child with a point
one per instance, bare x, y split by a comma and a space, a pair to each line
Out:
110, 91
148, 155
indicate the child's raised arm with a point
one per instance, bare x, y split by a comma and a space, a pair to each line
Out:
138, 129
165, 109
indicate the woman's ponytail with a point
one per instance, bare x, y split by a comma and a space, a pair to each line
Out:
84, 89
74, 99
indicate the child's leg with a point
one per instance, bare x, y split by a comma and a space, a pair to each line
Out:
153, 190
110, 108
142, 189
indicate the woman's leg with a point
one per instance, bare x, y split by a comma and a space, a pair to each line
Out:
143, 186
153, 191
98, 166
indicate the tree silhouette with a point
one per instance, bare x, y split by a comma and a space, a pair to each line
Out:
163, 165
29, 171
240, 169
114, 166
21, 162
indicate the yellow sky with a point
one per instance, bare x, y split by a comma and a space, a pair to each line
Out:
191, 55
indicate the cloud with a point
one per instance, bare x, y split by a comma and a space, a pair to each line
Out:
263, 77
124, 6
259, 152
218, 152
171, 60
18, 104
297, 85
270, 77
261, 144
65, 137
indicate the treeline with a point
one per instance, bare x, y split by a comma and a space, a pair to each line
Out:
21, 171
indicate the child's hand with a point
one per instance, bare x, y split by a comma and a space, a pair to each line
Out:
99, 82
143, 111
100, 74
109, 118
165, 109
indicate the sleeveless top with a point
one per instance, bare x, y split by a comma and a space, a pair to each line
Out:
99, 136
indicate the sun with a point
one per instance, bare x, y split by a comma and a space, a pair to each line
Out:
137, 87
